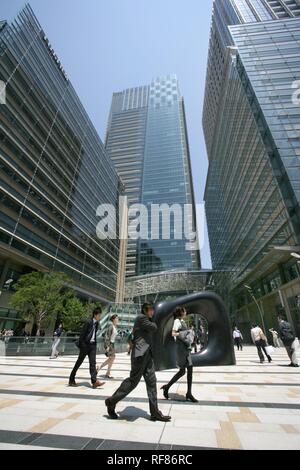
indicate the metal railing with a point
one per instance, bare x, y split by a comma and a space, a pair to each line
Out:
42, 346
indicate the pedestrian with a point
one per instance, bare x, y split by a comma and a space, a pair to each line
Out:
109, 344
260, 341
129, 341
194, 344
201, 339
289, 340
180, 333
238, 338
275, 336
142, 365
87, 344
56, 340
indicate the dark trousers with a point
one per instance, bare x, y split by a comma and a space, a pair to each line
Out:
89, 351
261, 346
140, 367
238, 343
180, 374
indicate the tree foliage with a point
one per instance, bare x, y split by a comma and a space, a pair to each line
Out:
41, 296
38, 296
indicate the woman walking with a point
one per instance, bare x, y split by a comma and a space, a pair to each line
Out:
109, 342
182, 336
56, 340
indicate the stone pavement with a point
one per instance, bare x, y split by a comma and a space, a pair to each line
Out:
247, 406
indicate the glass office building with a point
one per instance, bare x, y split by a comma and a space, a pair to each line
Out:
54, 170
125, 143
147, 140
250, 125
252, 130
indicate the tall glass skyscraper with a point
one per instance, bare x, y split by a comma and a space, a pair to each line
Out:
54, 170
147, 141
252, 130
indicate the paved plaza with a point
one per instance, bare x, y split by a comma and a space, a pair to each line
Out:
247, 406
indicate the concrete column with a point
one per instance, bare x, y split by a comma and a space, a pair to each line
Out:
2, 348
4, 273
4, 296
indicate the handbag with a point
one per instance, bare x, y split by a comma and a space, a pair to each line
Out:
270, 350
263, 337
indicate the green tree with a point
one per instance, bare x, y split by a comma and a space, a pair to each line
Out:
73, 314
38, 296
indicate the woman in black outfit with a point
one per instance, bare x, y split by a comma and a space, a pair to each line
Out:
184, 358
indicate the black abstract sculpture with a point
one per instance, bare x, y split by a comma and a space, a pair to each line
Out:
219, 350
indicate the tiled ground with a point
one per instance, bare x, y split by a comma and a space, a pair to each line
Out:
247, 406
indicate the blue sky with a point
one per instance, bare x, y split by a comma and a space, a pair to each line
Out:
109, 45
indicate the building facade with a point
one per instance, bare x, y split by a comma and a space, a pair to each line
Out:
54, 171
252, 131
147, 141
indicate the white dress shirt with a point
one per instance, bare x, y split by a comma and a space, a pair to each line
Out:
93, 338
256, 334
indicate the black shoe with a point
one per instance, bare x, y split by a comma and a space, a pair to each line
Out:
111, 410
160, 417
189, 397
270, 360
72, 383
294, 365
165, 391
262, 362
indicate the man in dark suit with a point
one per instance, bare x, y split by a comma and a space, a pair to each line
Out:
142, 365
87, 347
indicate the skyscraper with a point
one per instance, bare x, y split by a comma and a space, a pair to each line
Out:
252, 129
54, 170
147, 141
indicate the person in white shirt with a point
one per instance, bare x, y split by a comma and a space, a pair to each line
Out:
184, 357
238, 338
260, 341
110, 338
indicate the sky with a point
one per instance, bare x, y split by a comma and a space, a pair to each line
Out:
110, 45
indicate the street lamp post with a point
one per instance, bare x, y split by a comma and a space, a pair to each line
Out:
249, 289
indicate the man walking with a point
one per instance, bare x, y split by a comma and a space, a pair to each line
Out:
142, 365
260, 341
288, 338
87, 347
